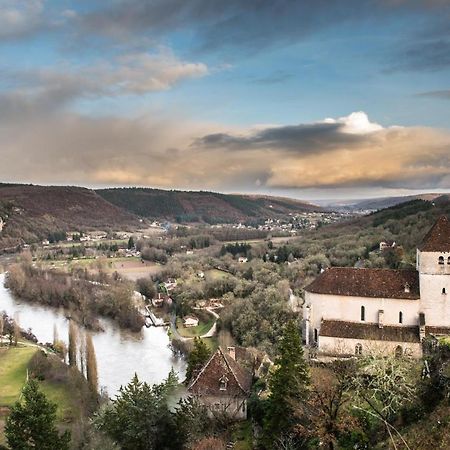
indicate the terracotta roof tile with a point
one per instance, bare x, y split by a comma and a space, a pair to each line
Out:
222, 364
371, 331
378, 283
438, 238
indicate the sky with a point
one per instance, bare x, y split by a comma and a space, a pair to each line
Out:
313, 99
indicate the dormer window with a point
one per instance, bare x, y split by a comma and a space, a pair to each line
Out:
441, 260
223, 383
407, 288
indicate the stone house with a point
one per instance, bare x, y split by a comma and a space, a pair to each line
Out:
223, 386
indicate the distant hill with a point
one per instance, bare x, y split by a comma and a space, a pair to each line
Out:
209, 207
31, 212
382, 202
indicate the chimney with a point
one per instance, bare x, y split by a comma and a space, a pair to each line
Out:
380, 318
407, 288
232, 352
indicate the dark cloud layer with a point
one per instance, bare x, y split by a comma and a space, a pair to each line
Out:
301, 139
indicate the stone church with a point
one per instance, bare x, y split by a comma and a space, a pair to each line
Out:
350, 311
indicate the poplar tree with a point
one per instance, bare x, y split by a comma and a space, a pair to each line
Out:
73, 343
91, 364
32, 423
288, 385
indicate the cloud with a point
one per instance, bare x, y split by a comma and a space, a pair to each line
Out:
173, 152
19, 18
132, 74
299, 139
443, 94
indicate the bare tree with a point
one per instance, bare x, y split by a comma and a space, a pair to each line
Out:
73, 343
91, 363
383, 385
16, 329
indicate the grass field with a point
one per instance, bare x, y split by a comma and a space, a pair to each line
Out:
215, 274
199, 330
13, 373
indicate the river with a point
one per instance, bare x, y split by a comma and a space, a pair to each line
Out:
120, 353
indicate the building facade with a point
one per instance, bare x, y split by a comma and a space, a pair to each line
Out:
350, 311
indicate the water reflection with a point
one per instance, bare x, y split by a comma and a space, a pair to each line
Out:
120, 353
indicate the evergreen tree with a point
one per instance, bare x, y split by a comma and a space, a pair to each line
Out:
130, 243
31, 423
288, 386
140, 417
197, 358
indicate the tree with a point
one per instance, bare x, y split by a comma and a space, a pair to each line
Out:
130, 243
197, 358
31, 423
288, 386
325, 408
384, 384
73, 343
91, 363
140, 419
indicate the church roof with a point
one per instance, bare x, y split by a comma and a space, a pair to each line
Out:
369, 331
375, 283
221, 364
438, 238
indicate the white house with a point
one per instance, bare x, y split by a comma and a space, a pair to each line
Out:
190, 321
351, 311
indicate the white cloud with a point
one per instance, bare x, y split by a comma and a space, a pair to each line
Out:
356, 123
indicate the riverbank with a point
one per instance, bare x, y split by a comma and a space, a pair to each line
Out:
120, 353
16, 365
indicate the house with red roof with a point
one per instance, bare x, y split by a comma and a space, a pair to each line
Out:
223, 385
350, 311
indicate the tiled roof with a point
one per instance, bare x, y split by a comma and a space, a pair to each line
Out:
369, 331
438, 238
221, 363
378, 283
437, 331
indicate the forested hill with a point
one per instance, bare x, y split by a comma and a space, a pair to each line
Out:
210, 207
31, 212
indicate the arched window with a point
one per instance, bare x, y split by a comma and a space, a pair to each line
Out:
363, 313
400, 317
358, 349
398, 351
441, 260
444, 291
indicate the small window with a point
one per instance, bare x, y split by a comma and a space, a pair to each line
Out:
223, 383
441, 260
444, 291
358, 349
363, 313
400, 317
398, 351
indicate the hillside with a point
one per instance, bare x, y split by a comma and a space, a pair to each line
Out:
210, 207
382, 202
31, 212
